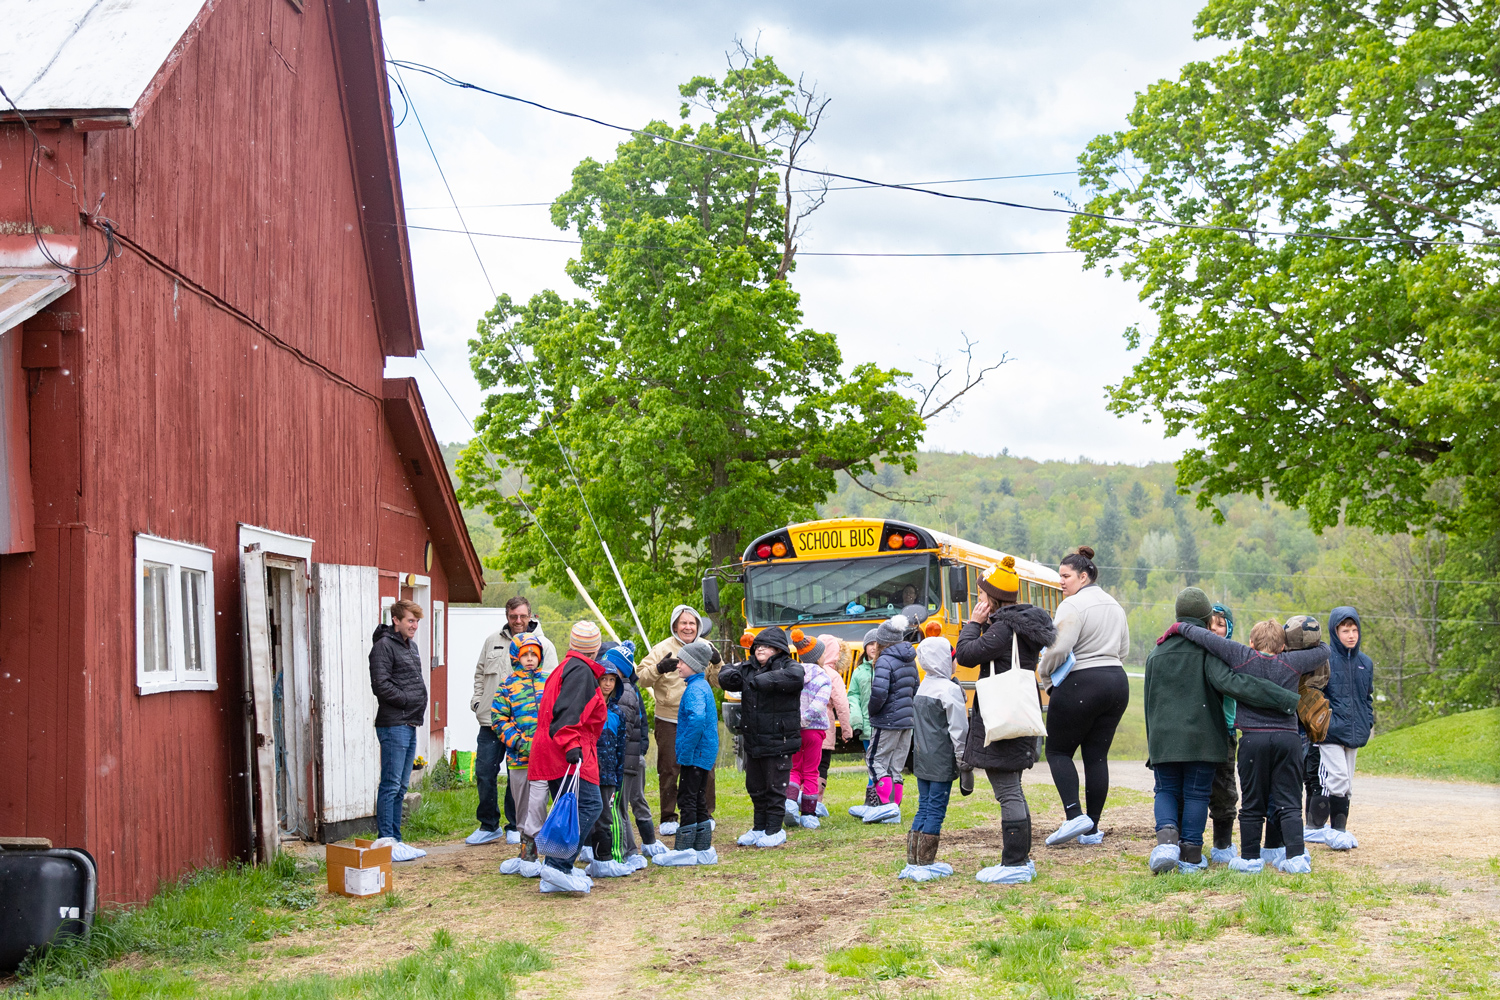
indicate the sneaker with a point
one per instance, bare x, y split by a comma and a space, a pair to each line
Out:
554, 880
405, 852
676, 859
811, 823
654, 848
1300, 865
1315, 834
1090, 839
749, 837
821, 811
708, 857
1341, 840
1006, 874
483, 836
512, 836
609, 869
1247, 866
1223, 855
1164, 857
1273, 855
1073, 828
667, 829
883, 814
772, 839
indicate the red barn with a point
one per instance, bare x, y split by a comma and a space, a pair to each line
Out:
210, 489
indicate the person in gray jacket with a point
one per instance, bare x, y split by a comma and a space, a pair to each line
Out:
401, 698
940, 727
489, 673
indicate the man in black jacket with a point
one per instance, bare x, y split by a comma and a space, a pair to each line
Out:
771, 722
396, 678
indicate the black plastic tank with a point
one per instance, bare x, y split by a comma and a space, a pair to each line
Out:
45, 896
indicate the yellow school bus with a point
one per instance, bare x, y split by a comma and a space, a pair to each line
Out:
843, 576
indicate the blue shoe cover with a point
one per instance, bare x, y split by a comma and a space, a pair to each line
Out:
1300, 865
676, 859
1075, 827
654, 848
793, 807
1223, 855
1315, 834
667, 829
1164, 857
1341, 840
609, 869
708, 857
585, 854
883, 814
926, 873
858, 812
811, 823
1006, 875
772, 839
483, 836
1090, 839
637, 862
1187, 868
525, 869
1247, 866
821, 812
560, 881
1273, 855
749, 837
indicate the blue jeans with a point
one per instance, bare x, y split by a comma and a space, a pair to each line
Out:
398, 749
590, 805
487, 757
1183, 790
932, 805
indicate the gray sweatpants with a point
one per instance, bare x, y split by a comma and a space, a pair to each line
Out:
886, 755
634, 794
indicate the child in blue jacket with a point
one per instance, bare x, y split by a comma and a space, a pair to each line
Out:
606, 843
697, 751
1351, 703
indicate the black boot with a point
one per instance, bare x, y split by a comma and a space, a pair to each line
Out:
1338, 811
1016, 838
1318, 809
1190, 853
1167, 835
648, 831
1223, 833
911, 847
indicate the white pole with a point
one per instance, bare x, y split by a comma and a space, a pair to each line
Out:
628, 602
592, 606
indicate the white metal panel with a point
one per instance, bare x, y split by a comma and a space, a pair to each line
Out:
467, 630
346, 609
88, 54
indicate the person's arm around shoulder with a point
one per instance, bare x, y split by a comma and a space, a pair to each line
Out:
1247, 689
1232, 653
1305, 661
1069, 624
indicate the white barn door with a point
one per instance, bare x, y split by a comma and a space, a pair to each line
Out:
346, 609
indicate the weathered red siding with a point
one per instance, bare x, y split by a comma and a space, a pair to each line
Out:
226, 368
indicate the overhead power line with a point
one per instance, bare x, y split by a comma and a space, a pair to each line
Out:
1279, 574
868, 182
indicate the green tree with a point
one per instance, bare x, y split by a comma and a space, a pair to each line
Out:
682, 390
1187, 549
1137, 499
1110, 539
1353, 373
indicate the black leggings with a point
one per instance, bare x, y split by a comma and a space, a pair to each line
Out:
691, 786
1083, 712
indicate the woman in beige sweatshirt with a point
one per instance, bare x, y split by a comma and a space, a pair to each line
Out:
1086, 706
658, 673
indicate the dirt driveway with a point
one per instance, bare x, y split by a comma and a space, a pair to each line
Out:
1416, 907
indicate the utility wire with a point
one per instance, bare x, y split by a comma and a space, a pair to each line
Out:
525, 365
1277, 611
1280, 574
865, 181
731, 250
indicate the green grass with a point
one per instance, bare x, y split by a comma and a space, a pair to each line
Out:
1463, 747
868, 961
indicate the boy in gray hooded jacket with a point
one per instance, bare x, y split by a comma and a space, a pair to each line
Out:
940, 728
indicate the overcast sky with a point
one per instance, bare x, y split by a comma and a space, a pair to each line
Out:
920, 93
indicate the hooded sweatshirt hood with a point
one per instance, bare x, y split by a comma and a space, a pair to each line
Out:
773, 637
611, 667
935, 657
1336, 617
1029, 622
704, 625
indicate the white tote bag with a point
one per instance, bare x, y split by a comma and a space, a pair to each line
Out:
1008, 702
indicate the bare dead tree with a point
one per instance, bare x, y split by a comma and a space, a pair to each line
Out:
810, 106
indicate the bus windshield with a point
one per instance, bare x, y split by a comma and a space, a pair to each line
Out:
840, 589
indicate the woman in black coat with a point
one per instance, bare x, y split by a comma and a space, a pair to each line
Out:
985, 642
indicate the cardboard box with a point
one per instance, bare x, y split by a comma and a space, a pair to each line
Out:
359, 871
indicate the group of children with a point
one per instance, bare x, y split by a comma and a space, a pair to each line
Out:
584, 727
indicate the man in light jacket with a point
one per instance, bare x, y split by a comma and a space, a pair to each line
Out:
659, 673
489, 673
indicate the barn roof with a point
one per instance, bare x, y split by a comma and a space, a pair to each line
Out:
90, 55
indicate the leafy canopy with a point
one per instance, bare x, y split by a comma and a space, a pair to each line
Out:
1353, 375
697, 411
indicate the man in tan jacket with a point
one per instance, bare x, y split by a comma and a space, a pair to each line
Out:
659, 673
489, 673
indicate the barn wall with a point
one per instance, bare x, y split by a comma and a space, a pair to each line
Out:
229, 371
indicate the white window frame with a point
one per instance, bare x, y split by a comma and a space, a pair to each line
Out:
439, 634
179, 556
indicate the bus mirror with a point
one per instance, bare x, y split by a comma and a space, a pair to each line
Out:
958, 584
710, 595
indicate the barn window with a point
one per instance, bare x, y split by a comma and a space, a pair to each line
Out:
174, 616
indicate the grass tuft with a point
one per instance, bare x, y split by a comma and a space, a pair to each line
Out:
1268, 912
868, 961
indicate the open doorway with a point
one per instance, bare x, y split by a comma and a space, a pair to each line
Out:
291, 701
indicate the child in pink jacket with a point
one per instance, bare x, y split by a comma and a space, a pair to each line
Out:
835, 657
803, 787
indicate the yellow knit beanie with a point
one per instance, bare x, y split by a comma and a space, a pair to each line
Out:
1001, 582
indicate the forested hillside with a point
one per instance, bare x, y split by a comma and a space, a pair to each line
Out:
1262, 561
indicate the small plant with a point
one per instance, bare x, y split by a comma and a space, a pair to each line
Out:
442, 939
794, 965
1268, 912
868, 961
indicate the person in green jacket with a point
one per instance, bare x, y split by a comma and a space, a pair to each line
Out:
859, 714
1186, 736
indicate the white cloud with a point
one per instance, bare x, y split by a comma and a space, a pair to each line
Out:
940, 91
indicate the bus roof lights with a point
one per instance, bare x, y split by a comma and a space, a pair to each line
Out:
911, 541
764, 551
778, 550
895, 541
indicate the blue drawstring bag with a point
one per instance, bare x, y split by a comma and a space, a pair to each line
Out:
559, 837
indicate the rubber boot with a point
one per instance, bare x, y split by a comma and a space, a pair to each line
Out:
927, 848
687, 836
882, 791
528, 848
911, 846
1318, 809
1191, 853
1338, 811
1223, 833
966, 781
648, 831
1016, 842
896, 791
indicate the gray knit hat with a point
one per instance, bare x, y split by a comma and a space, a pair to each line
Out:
1194, 603
1302, 632
892, 630
696, 655
871, 636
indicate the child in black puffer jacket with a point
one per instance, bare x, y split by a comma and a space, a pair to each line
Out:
770, 684
893, 692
